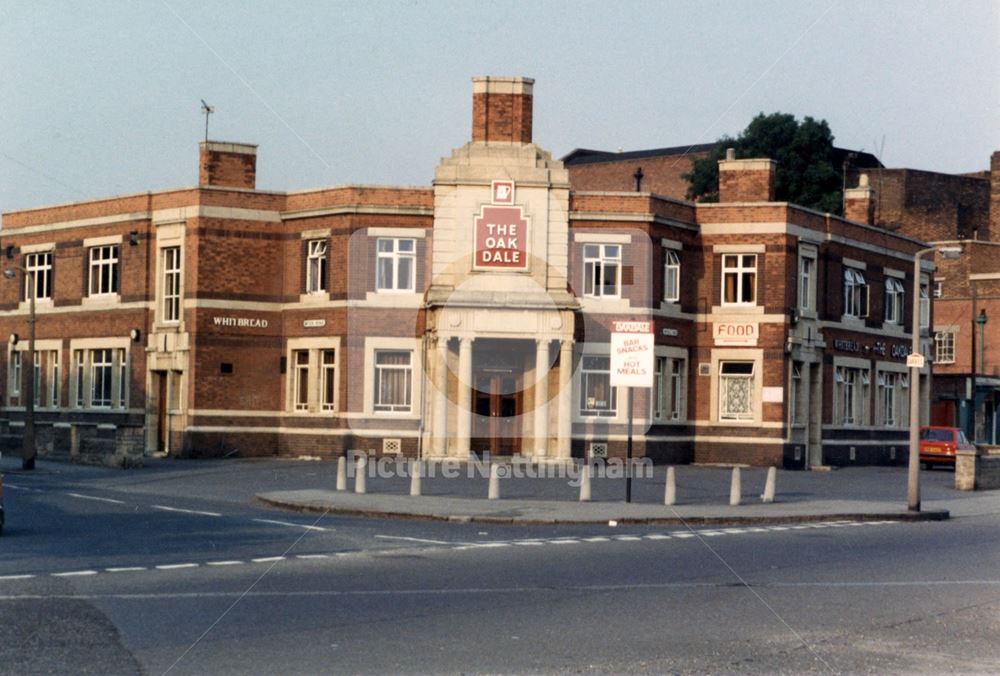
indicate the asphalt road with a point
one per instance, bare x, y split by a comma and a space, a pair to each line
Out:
175, 570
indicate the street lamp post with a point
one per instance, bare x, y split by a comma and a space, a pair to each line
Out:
913, 470
28, 439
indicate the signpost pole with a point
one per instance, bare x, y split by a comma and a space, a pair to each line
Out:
628, 450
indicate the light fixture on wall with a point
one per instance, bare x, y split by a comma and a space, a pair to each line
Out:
135, 334
133, 238
14, 338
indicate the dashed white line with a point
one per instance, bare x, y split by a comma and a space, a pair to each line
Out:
176, 566
597, 539
312, 556
409, 539
16, 577
75, 573
657, 536
564, 542
95, 498
292, 524
165, 508
268, 559
224, 563
125, 569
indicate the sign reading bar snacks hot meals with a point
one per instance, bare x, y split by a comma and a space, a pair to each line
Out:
632, 354
501, 231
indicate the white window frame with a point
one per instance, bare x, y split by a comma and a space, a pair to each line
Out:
856, 294
300, 380
938, 288
886, 397
52, 374
895, 296
598, 259
170, 303
807, 280
382, 370
795, 406
314, 373
327, 379
944, 347
103, 270
395, 255
743, 274
102, 358
671, 275
317, 265
83, 352
925, 306
39, 265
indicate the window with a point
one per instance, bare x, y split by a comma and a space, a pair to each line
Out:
893, 300
53, 377
668, 389
739, 279
40, 267
597, 397
393, 381
944, 347
852, 387
36, 389
676, 388
925, 306
855, 293
671, 276
101, 373
395, 264
602, 264
15, 373
807, 283
796, 393
79, 368
122, 377
103, 270
885, 391
301, 379
172, 284
736, 383
938, 289
316, 266
328, 380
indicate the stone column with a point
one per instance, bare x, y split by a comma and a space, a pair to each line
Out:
541, 397
464, 431
565, 424
440, 399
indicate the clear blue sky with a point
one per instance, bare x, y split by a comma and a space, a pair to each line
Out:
102, 98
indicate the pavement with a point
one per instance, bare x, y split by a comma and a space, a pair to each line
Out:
856, 493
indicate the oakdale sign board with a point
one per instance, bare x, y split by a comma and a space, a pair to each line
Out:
632, 354
501, 231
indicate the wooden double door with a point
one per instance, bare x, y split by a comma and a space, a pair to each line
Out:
496, 408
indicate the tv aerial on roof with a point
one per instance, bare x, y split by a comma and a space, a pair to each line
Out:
206, 110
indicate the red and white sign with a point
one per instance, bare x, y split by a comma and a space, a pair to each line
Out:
502, 192
632, 354
501, 238
735, 333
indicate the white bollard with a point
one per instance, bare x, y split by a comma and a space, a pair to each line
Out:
734, 488
360, 475
494, 493
342, 473
416, 470
585, 470
772, 475
670, 492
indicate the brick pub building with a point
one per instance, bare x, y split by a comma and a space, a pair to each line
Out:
470, 315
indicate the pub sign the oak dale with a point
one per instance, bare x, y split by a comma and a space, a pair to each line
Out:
501, 231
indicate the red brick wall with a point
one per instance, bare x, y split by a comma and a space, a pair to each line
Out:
501, 117
227, 169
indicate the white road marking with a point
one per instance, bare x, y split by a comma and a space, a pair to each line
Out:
224, 563
268, 559
75, 573
125, 569
597, 539
402, 537
656, 536
175, 566
290, 523
165, 508
529, 543
312, 556
94, 497
564, 542
682, 535
15, 577
628, 538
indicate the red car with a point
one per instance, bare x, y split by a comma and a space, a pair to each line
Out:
938, 445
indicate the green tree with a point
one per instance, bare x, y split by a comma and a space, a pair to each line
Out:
806, 173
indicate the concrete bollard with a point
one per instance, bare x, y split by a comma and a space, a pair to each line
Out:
585, 482
360, 475
772, 475
342, 473
416, 471
735, 489
670, 492
494, 493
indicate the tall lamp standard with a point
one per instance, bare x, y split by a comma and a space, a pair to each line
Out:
28, 440
913, 470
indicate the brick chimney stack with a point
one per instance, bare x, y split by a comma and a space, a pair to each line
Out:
859, 203
227, 165
746, 180
501, 109
994, 233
